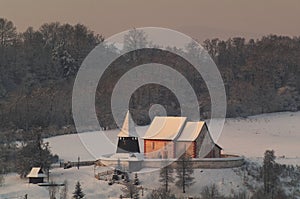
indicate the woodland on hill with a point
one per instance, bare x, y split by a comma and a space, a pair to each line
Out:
38, 68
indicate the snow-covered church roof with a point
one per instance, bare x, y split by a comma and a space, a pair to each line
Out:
191, 131
165, 128
128, 128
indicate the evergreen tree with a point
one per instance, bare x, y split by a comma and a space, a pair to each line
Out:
34, 153
78, 193
184, 172
270, 175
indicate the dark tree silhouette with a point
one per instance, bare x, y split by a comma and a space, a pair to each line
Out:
270, 174
78, 193
34, 153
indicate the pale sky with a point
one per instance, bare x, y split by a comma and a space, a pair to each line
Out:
197, 18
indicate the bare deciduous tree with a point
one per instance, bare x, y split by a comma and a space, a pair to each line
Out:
184, 172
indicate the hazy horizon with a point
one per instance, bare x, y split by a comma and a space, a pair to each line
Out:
199, 19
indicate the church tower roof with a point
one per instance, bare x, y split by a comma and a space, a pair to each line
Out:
128, 128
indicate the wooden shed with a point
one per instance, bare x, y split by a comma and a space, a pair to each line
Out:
36, 175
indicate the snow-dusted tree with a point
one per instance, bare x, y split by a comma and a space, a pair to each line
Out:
130, 190
166, 176
65, 59
184, 172
8, 32
34, 153
78, 193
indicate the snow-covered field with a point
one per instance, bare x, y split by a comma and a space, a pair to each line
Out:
249, 137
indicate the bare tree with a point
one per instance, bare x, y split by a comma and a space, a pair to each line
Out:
160, 194
184, 172
135, 39
64, 191
8, 32
210, 192
52, 190
166, 176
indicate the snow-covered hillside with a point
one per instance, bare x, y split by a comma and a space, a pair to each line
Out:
244, 136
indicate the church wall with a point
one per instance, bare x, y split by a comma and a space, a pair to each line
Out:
158, 149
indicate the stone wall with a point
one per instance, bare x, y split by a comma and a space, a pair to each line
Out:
226, 161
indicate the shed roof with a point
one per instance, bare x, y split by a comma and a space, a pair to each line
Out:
191, 131
165, 128
36, 172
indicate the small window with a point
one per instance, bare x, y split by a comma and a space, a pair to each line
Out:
153, 145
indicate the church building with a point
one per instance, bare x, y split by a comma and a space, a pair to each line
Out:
171, 137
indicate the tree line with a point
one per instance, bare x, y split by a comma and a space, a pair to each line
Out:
38, 68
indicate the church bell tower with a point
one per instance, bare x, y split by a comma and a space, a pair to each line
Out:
128, 138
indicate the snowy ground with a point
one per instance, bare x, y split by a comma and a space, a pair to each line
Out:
243, 136
249, 137
226, 179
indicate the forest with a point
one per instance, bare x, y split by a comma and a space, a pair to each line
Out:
38, 68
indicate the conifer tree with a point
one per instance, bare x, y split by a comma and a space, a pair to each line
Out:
78, 193
269, 171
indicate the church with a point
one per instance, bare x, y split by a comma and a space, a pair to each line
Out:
169, 137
